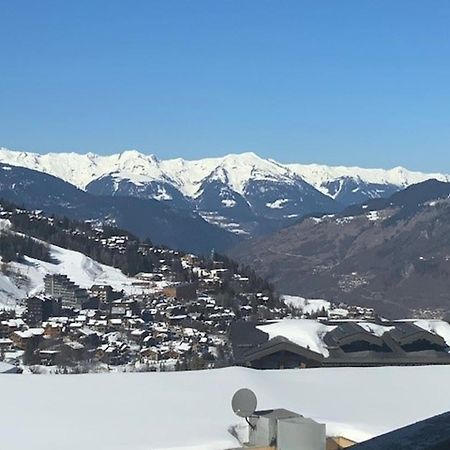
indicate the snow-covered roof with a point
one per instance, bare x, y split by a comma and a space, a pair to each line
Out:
31, 332
304, 332
7, 368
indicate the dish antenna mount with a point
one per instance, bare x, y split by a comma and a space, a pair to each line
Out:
244, 403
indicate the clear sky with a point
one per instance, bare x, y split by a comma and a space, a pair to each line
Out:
338, 82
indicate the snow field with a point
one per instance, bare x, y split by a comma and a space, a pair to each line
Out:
191, 410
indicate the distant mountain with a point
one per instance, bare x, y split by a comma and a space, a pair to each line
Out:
244, 194
163, 224
392, 254
354, 185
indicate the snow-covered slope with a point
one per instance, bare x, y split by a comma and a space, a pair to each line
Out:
331, 180
186, 410
27, 278
318, 175
306, 305
80, 169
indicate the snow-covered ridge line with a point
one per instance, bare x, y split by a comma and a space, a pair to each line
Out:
187, 176
319, 175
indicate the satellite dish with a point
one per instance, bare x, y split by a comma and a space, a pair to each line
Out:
244, 402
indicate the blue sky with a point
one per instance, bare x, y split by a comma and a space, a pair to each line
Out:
338, 82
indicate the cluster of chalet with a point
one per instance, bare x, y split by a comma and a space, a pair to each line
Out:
157, 332
164, 325
348, 343
92, 338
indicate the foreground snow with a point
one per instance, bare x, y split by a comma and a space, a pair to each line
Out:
191, 410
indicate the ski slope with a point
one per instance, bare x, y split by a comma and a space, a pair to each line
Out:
306, 305
191, 410
27, 278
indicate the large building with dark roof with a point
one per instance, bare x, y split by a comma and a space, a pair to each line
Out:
281, 353
410, 337
348, 344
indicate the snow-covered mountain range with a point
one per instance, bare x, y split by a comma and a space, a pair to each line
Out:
234, 169
242, 193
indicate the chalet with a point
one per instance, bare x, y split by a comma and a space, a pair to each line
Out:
5, 344
89, 338
118, 311
52, 329
104, 292
193, 260
75, 350
116, 323
49, 357
7, 327
148, 277
182, 291
112, 354
281, 353
411, 338
149, 354
28, 338
350, 337
139, 335
170, 354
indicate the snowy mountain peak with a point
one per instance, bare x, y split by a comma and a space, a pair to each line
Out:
321, 175
242, 193
187, 176
134, 155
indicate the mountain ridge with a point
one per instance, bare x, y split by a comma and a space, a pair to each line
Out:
391, 254
243, 194
132, 163
162, 223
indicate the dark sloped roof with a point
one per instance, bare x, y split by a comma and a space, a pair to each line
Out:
280, 343
405, 332
348, 332
429, 434
245, 336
